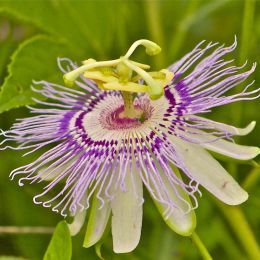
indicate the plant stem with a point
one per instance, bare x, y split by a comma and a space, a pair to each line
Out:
25, 230
246, 39
201, 247
252, 178
241, 228
247, 25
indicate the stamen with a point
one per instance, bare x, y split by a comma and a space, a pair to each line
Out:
70, 77
118, 74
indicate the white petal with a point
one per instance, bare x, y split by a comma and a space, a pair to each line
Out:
77, 223
97, 223
228, 128
236, 151
127, 212
179, 221
208, 172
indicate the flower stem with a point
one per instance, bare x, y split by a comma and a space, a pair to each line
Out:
201, 247
239, 224
252, 178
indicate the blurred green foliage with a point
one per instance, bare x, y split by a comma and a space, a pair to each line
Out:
34, 33
60, 244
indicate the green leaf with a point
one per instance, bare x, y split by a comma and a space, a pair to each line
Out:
35, 59
7, 47
83, 25
60, 246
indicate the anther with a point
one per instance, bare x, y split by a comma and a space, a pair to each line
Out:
118, 74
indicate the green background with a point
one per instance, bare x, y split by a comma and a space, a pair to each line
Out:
34, 33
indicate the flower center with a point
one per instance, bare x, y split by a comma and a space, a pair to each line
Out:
118, 119
105, 119
126, 76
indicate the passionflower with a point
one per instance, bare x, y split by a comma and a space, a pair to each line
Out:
118, 127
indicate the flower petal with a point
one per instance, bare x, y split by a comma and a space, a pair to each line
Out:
236, 151
97, 222
77, 223
209, 172
180, 221
127, 212
226, 128
230, 149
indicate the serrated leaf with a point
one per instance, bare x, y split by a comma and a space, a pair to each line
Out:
35, 59
60, 246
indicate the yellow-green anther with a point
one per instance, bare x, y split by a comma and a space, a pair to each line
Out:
141, 65
151, 48
118, 74
99, 76
71, 76
68, 81
107, 71
129, 87
155, 89
157, 74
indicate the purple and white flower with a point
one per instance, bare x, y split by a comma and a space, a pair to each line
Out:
100, 157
